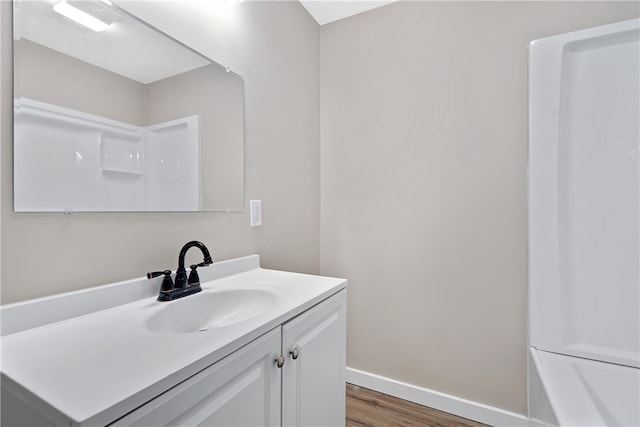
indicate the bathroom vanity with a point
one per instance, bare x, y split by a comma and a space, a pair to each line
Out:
255, 347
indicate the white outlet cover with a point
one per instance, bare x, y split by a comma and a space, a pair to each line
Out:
255, 209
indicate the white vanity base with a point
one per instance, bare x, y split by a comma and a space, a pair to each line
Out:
107, 366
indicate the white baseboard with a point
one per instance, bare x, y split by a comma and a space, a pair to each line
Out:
437, 400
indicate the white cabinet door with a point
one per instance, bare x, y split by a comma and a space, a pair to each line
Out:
243, 389
313, 378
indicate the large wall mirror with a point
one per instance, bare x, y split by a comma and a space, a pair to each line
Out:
111, 114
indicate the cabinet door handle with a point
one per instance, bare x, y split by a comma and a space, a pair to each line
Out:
280, 361
294, 353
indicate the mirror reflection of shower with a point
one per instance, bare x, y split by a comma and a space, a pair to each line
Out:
187, 114
83, 162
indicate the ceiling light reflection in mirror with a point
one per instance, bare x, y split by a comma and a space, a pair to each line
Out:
79, 16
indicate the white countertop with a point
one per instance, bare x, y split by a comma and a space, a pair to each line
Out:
106, 363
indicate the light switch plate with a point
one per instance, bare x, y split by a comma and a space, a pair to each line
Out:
255, 207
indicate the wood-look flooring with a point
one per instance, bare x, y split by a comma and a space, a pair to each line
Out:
369, 408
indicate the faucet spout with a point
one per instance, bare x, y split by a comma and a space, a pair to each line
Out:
199, 245
181, 272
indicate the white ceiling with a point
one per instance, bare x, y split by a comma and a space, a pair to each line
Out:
325, 11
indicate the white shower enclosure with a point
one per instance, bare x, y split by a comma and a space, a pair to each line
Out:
584, 227
67, 160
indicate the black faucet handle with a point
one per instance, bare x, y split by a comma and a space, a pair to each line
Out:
158, 273
167, 282
194, 279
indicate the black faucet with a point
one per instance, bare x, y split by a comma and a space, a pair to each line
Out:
183, 286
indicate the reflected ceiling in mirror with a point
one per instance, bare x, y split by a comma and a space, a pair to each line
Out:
120, 119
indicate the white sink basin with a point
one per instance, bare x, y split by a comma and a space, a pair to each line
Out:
204, 311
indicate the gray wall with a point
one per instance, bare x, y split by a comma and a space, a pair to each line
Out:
424, 186
275, 47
